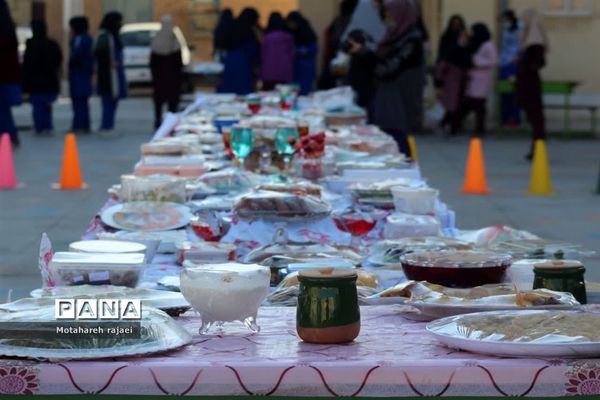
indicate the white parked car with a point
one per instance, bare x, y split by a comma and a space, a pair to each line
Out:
136, 40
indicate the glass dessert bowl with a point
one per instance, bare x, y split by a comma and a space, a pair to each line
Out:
225, 292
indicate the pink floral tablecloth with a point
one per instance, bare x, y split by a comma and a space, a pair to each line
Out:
392, 357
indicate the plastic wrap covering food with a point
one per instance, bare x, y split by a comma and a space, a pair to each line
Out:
301, 251
159, 333
399, 226
541, 249
97, 268
539, 327
286, 294
187, 166
276, 205
164, 148
388, 252
415, 200
495, 234
170, 302
205, 252
225, 292
497, 295
161, 241
153, 188
229, 180
294, 188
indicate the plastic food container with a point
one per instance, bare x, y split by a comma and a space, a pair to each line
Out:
225, 292
399, 226
465, 268
107, 246
153, 188
205, 252
414, 200
97, 268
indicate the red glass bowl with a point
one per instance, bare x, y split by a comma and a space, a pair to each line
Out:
460, 269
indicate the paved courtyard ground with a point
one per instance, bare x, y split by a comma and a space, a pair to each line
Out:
572, 214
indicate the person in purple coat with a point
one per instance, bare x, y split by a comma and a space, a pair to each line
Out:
278, 53
81, 69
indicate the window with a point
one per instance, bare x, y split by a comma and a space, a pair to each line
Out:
568, 8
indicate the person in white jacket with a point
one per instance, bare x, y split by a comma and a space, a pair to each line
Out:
484, 59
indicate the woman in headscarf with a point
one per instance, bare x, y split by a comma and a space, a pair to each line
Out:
81, 68
10, 73
111, 84
484, 59
532, 58
166, 66
242, 55
453, 62
222, 33
278, 51
41, 75
307, 49
509, 53
398, 72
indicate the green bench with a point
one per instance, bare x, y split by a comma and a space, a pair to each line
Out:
561, 97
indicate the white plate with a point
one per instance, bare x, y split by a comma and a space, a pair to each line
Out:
147, 216
172, 303
161, 333
447, 331
107, 246
435, 311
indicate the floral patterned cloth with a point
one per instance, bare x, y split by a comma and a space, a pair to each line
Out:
392, 357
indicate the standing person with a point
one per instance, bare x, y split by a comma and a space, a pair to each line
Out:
242, 55
111, 85
307, 48
532, 58
399, 59
481, 75
166, 66
10, 74
450, 75
41, 75
361, 69
278, 52
331, 42
222, 33
509, 53
81, 69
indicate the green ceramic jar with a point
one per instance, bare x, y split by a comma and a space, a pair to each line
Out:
328, 309
561, 276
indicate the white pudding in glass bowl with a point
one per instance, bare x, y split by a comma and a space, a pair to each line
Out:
225, 292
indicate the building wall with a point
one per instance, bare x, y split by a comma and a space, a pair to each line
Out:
196, 19
320, 13
264, 7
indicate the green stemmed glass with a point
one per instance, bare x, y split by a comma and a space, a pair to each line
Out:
286, 139
241, 142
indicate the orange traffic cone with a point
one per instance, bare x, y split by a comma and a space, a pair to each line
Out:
70, 176
540, 183
475, 182
8, 178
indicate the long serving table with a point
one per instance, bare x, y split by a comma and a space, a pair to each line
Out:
392, 357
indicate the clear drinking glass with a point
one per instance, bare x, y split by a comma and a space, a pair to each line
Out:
286, 139
241, 141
